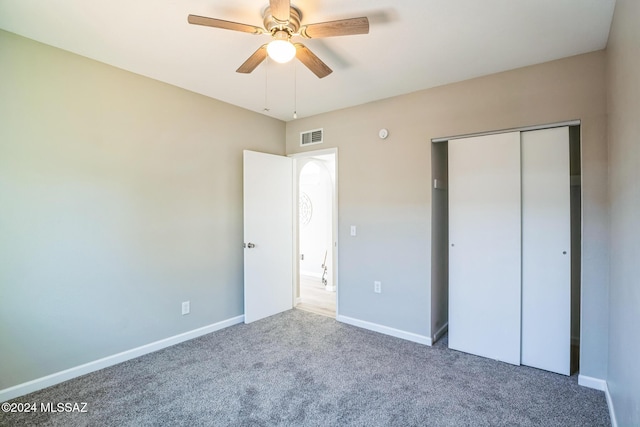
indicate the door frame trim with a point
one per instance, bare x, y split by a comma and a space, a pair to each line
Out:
296, 261
520, 129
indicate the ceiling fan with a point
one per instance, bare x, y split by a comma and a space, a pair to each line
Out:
282, 22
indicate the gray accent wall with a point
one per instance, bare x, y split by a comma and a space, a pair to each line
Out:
623, 102
385, 186
120, 197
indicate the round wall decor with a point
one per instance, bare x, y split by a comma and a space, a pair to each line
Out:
305, 209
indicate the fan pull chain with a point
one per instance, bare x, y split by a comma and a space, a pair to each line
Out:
266, 81
295, 91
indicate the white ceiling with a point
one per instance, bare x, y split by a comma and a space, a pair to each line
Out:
412, 44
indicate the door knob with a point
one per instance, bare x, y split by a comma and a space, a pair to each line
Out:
249, 245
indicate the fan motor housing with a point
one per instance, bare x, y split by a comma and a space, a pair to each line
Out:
271, 24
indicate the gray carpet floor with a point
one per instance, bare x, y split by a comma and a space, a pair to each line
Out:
302, 369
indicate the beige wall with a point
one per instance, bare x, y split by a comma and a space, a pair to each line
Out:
120, 198
384, 185
623, 81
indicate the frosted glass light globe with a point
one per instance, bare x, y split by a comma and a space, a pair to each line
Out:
281, 51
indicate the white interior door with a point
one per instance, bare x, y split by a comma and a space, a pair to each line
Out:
484, 246
546, 250
268, 235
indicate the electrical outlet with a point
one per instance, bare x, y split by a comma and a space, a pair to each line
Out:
377, 287
186, 307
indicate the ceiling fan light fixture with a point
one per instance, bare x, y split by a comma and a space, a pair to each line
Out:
282, 21
281, 51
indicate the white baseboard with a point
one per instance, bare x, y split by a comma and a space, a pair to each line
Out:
612, 413
67, 374
591, 382
599, 384
410, 336
443, 330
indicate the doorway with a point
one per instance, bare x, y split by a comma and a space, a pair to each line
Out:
316, 246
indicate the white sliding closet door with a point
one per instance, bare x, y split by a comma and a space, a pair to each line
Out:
485, 246
546, 245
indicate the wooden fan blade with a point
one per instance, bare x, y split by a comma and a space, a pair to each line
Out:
343, 27
254, 60
311, 61
227, 25
280, 9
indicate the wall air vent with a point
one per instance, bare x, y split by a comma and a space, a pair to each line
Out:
311, 137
